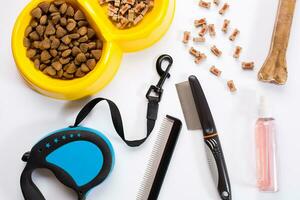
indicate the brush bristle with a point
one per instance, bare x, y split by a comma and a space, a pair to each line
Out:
155, 158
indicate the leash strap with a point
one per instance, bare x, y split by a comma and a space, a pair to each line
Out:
153, 95
117, 119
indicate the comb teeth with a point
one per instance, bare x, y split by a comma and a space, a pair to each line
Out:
155, 158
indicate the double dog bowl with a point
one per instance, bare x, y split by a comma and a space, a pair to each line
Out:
116, 43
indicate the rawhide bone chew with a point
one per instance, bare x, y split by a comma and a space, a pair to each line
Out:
274, 69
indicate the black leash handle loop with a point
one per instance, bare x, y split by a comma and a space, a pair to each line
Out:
116, 118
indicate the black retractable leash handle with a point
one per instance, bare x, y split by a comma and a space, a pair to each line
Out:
37, 157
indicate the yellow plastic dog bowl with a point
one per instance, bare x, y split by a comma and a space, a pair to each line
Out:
116, 43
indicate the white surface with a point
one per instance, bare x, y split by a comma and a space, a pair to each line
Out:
27, 116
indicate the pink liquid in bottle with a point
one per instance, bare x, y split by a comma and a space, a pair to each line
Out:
266, 152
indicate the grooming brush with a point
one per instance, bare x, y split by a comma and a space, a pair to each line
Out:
160, 159
197, 114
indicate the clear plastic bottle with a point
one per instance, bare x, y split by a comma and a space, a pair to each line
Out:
265, 133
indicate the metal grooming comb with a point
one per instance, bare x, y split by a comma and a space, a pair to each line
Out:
160, 159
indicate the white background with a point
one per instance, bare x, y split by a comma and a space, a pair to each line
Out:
27, 116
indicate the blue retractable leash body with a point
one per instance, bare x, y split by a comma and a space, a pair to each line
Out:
82, 158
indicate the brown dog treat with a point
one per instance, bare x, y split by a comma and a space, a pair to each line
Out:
91, 63
78, 16
231, 86
200, 58
204, 4
237, 52
186, 37
211, 30
248, 65
194, 52
216, 51
234, 35
225, 25
31, 53
224, 9
215, 71
200, 22
199, 39
50, 71
57, 65
96, 54
203, 31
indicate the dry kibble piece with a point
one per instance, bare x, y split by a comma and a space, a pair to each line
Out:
34, 36
79, 73
203, 31
186, 37
217, 52
82, 30
31, 53
26, 42
79, 15
231, 86
80, 58
225, 25
40, 30
96, 54
199, 39
204, 4
43, 20
237, 52
45, 44
91, 63
57, 65
224, 9
36, 13
84, 68
70, 11
66, 53
234, 35
45, 56
200, 22
91, 33
66, 40
60, 32
71, 25
71, 68
37, 63
215, 71
44, 6
211, 30
28, 30
63, 8
84, 47
248, 65
68, 76
50, 30
50, 71
55, 43
52, 8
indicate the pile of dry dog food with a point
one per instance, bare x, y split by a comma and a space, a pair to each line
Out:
127, 13
60, 41
210, 29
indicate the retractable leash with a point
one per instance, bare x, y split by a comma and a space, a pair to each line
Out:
81, 158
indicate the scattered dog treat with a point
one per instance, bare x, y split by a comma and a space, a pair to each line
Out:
225, 25
200, 22
215, 71
194, 52
204, 4
234, 35
217, 2
186, 37
203, 30
200, 58
216, 51
224, 9
60, 41
211, 30
199, 39
237, 52
127, 13
248, 65
231, 86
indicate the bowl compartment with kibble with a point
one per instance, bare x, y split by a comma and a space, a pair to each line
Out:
116, 42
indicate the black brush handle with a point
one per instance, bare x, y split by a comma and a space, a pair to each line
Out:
165, 159
218, 167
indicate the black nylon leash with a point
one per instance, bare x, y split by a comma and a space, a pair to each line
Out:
153, 95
